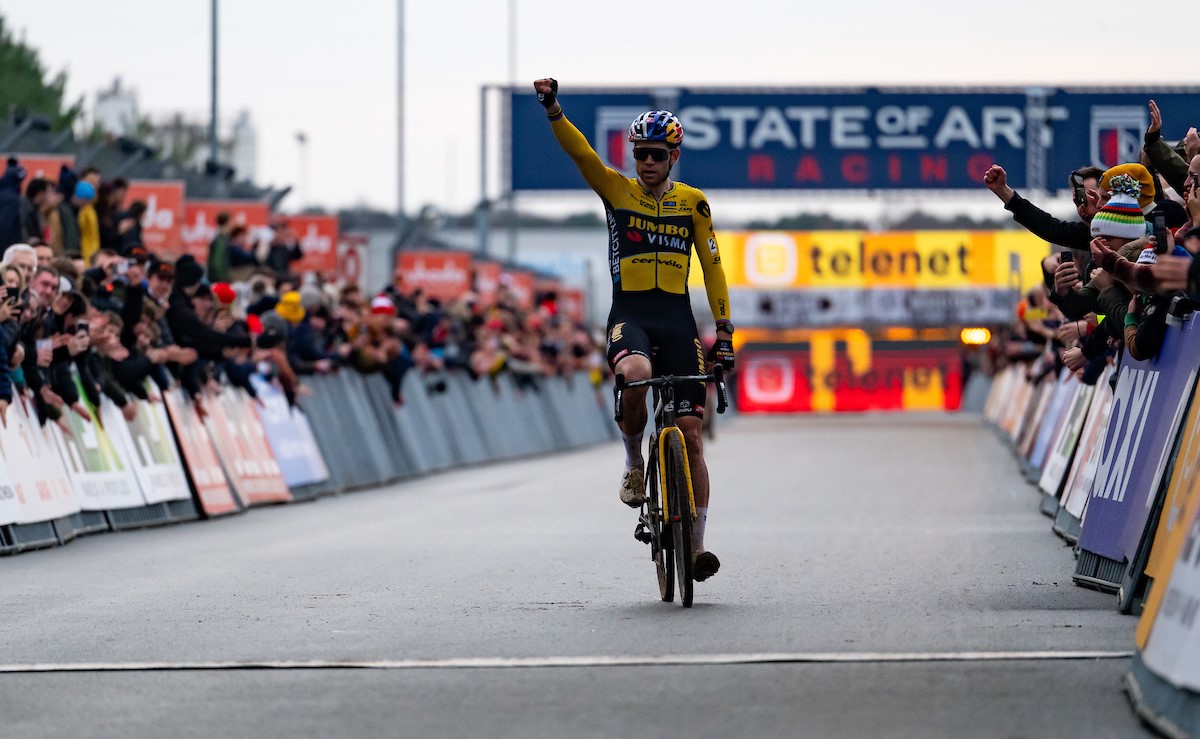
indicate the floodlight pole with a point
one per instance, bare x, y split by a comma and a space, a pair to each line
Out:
213, 153
481, 213
399, 121
512, 82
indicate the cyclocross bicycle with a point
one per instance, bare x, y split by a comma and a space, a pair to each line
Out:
669, 505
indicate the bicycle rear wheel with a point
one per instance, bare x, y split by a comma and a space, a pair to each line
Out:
663, 562
680, 513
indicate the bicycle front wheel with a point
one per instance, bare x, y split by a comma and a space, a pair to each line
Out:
680, 513
663, 563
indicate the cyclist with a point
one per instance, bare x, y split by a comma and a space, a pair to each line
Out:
653, 224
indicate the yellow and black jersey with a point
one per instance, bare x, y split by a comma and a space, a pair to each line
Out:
650, 241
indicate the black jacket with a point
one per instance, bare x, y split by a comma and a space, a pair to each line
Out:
1075, 234
10, 206
188, 330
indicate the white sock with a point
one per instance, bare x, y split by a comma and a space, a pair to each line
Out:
698, 530
633, 449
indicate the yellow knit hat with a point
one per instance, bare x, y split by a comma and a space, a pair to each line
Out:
1137, 172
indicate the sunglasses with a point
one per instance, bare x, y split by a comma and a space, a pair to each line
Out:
643, 153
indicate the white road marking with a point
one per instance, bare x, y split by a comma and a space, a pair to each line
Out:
581, 661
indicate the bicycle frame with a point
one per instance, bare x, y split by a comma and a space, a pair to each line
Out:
664, 420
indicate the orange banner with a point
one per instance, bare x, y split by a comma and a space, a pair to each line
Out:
520, 284
200, 221
352, 255
571, 303
319, 241
162, 225
203, 465
439, 274
47, 166
487, 281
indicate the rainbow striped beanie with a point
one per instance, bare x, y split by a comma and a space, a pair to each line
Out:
1121, 216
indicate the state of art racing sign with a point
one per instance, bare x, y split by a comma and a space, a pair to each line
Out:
865, 139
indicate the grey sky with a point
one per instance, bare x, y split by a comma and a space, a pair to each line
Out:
329, 68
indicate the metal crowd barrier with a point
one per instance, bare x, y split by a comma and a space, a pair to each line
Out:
345, 434
1117, 468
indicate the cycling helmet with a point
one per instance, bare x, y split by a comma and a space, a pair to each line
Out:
657, 125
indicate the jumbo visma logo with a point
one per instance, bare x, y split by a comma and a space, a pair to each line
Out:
662, 235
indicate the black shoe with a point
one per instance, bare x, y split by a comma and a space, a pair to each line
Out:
704, 566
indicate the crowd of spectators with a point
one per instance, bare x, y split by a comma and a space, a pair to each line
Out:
86, 310
1121, 269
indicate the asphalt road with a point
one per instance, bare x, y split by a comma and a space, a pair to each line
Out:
881, 576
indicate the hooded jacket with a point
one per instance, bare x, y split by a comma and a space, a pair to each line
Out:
10, 204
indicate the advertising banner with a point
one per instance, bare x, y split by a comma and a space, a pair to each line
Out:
572, 303
1174, 639
520, 284
1032, 421
1179, 507
487, 281
318, 241
1087, 459
149, 446
100, 474
1146, 413
439, 274
46, 166
790, 279
846, 371
35, 468
1106, 127
1052, 423
242, 447
162, 225
1063, 449
200, 221
890, 260
203, 465
1010, 421
10, 507
352, 260
848, 139
290, 436
1003, 387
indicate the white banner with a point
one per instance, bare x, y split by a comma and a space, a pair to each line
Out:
1015, 411
1068, 437
10, 507
149, 446
1173, 651
1091, 442
102, 479
35, 466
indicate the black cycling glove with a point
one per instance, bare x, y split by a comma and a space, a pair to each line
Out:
548, 99
722, 351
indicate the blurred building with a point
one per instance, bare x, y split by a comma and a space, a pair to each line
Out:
116, 111
180, 137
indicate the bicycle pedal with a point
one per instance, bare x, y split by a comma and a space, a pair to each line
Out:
642, 534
